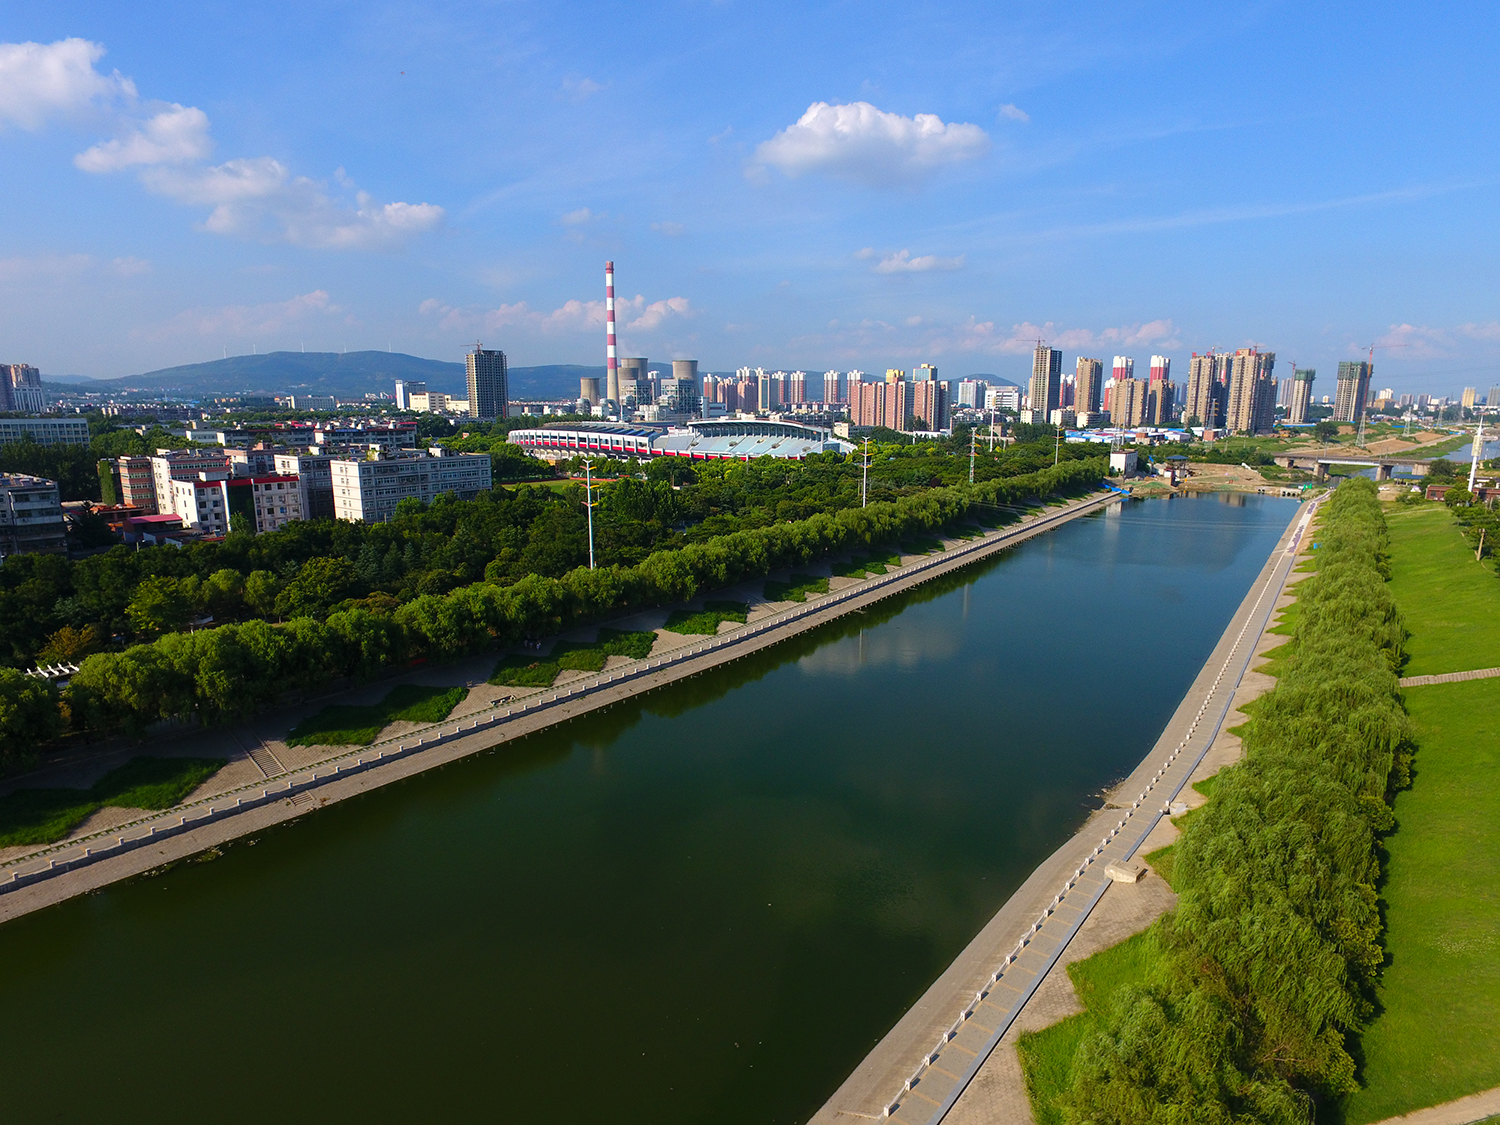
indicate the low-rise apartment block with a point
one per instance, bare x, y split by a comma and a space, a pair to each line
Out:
368, 491
31, 516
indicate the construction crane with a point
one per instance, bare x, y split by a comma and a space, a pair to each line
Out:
1360, 440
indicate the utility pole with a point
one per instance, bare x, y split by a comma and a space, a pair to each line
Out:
992, 425
588, 485
973, 439
1478, 453
864, 480
1057, 453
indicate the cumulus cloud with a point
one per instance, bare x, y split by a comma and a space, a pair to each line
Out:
168, 144
632, 314
244, 320
860, 142
902, 262
1014, 113
42, 81
177, 135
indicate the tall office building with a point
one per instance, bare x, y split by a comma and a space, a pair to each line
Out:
1046, 381
21, 388
923, 372
405, 388
1251, 406
489, 384
1353, 390
1301, 396
1088, 385
971, 393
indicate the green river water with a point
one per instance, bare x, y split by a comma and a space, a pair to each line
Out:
703, 906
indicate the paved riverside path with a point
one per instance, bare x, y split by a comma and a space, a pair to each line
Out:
919, 1070
1450, 677
1464, 1111
53, 873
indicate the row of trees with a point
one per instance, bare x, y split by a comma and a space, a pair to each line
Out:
1267, 966
227, 672
53, 608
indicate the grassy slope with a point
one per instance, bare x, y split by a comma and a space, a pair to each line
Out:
1438, 1037
42, 816
1450, 603
1047, 1055
344, 725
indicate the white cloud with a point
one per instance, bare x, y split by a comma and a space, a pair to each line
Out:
249, 197
632, 313
244, 320
902, 262
177, 135
860, 142
578, 218
1014, 113
260, 198
976, 336
581, 89
41, 81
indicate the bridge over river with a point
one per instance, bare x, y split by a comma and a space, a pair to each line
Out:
1385, 467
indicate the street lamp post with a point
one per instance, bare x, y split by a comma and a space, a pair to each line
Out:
588, 486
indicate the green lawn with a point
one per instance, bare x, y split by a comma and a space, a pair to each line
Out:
520, 670
1450, 603
859, 566
1047, 1055
42, 816
795, 589
1438, 1037
343, 725
705, 622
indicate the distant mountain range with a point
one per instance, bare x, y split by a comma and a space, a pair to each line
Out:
343, 374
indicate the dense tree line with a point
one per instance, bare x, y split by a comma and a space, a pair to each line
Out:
228, 671
1268, 963
54, 609
75, 468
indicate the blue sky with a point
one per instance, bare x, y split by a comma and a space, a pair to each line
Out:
835, 185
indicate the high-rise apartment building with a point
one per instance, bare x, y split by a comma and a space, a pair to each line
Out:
1353, 390
1161, 369
1301, 396
1122, 368
832, 392
1492, 400
929, 404
1088, 385
796, 387
1046, 381
971, 393
1161, 402
1127, 401
1251, 405
489, 384
1205, 391
1470, 398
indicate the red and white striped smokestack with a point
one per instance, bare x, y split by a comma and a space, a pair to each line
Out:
612, 364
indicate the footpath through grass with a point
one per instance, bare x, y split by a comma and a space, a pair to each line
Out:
1449, 602
44, 816
520, 670
344, 725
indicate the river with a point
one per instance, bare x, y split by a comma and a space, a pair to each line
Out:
703, 906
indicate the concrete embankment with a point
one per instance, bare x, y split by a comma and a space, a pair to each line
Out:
921, 1070
47, 875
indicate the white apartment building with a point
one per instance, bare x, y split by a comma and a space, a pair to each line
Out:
44, 431
272, 500
368, 491
200, 503
1003, 398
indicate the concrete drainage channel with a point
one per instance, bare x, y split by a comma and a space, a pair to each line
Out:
59, 859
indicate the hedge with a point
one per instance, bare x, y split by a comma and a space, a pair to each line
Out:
1271, 954
227, 673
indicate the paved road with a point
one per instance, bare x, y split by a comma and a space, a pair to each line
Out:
1451, 677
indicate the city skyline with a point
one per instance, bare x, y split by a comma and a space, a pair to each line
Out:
858, 213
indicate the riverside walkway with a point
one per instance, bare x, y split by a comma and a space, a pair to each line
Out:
52, 873
918, 1073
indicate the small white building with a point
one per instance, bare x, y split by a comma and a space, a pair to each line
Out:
31, 516
1123, 462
